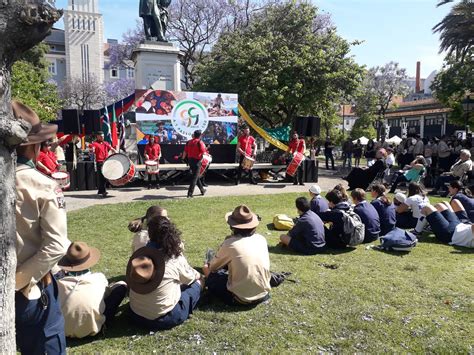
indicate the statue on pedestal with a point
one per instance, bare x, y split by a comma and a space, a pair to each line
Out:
155, 19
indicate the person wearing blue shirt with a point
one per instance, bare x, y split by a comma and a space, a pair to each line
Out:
464, 196
384, 207
368, 214
333, 219
307, 236
318, 203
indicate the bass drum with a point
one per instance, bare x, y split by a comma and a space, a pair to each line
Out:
118, 169
298, 159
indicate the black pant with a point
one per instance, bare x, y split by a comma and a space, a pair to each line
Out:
329, 157
157, 178
195, 166
298, 177
240, 170
112, 301
101, 179
400, 178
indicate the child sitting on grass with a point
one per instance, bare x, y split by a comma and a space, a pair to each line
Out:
138, 226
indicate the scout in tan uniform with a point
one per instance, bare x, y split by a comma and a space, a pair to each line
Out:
87, 301
41, 242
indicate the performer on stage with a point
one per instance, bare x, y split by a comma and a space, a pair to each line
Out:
193, 151
153, 153
246, 147
101, 151
297, 145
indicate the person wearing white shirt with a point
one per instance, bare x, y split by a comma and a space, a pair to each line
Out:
409, 210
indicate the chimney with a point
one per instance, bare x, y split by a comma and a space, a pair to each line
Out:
418, 77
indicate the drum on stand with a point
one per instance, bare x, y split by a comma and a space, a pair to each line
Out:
152, 167
205, 162
63, 179
292, 168
118, 169
248, 162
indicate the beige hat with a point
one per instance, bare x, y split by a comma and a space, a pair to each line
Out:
145, 270
79, 257
315, 189
39, 132
242, 218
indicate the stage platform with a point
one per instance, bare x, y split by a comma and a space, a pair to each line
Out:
214, 166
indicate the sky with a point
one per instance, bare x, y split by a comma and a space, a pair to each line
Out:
392, 30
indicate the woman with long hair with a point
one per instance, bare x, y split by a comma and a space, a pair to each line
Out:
164, 288
384, 207
417, 167
138, 227
464, 195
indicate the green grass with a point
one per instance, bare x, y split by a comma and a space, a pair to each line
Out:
355, 301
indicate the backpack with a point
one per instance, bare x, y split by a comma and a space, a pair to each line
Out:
282, 222
398, 240
354, 229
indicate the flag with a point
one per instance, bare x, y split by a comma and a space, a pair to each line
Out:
106, 125
113, 127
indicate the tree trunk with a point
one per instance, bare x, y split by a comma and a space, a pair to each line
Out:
23, 24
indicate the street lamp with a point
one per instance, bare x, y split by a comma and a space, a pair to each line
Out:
467, 109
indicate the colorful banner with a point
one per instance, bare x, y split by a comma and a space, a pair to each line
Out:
174, 116
261, 131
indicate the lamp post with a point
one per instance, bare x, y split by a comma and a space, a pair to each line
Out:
466, 107
343, 119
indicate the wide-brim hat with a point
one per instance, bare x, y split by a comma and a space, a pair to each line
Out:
79, 257
242, 218
145, 270
39, 132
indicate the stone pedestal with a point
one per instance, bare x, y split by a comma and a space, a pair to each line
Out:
157, 66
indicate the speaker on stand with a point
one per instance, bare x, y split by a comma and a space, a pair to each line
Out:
71, 122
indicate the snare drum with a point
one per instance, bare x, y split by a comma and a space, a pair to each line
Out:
292, 168
62, 179
247, 163
152, 167
205, 162
118, 169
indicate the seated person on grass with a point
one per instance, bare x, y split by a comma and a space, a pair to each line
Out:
307, 236
384, 207
446, 225
464, 195
164, 289
87, 300
333, 220
239, 274
409, 208
140, 238
368, 215
318, 203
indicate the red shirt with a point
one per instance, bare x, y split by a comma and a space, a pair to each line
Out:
101, 151
46, 160
246, 144
297, 145
195, 148
153, 151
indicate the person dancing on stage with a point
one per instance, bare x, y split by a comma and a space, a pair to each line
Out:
246, 147
194, 151
153, 152
297, 145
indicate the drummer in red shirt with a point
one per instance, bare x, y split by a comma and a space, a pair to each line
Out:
246, 147
194, 151
297, 145
101, 151
153, 153
46, 161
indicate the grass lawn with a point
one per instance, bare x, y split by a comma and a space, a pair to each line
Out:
358, 300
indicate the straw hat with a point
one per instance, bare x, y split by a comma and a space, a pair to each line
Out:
242, 218
39, 132
79, 257
145, 270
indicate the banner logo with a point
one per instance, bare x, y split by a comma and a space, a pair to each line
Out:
189, 116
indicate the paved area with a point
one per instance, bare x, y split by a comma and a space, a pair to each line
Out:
76, 200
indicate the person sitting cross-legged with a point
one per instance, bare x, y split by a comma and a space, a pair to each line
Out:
446, 225
409, 208
318, 202
87, 301
239, 274
307, 236
164, 289
384, 207
140, 237
368, 214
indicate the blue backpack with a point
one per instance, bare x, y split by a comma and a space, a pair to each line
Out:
398, 240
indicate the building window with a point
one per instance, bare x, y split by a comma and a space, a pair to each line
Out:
52, 69
130, 73
114, 73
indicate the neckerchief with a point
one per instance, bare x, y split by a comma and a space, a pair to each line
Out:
26, 161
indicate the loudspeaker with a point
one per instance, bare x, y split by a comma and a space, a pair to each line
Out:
71, 122
308, 126
91, 120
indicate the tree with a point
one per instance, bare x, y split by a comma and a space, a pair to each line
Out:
381, 85
285, 63
118, 89
120, 54
22, 26
83, 95
457, 30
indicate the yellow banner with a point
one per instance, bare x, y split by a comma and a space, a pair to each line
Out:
261, 131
